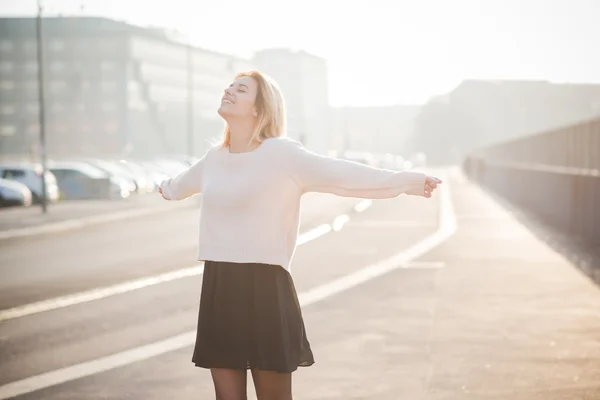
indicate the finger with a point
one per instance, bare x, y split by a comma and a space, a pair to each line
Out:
435, 180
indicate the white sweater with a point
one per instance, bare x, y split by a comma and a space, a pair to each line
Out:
251, 201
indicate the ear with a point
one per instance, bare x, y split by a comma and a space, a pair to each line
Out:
254, 112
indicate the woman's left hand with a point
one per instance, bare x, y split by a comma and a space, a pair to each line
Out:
431, 183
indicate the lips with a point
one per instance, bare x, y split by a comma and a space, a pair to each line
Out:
226, 101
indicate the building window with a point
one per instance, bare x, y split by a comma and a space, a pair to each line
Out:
32, 108
7, 130
7, 85
108, 86
57, 67
6, 45
57, 86
57, 45
31, 67
57, 128
107, 66
56, 107
6, 67
30, 86
30, 45
7, 110
107, 106
33, 129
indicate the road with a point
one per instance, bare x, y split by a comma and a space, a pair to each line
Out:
45, 266
476, 310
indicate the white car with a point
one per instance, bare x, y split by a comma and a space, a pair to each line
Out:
13, 193
30, 175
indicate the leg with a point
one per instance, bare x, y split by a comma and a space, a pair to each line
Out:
271, 385
230, 384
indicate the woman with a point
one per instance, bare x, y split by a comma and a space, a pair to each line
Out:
251, 185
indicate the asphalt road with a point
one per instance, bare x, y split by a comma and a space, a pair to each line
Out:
485, 315
44, 266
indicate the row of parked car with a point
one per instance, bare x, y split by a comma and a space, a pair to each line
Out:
95, 178
85, 178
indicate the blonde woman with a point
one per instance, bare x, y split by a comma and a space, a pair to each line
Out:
251, 186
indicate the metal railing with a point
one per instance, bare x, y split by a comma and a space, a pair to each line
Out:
554, 175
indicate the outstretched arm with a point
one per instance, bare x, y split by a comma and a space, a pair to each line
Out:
186, 184
317, 173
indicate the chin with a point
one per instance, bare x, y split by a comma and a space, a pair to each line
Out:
224, 114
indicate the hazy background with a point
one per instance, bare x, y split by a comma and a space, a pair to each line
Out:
382, 52
402, 80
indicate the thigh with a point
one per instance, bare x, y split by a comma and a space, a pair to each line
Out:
271, 385
230, 384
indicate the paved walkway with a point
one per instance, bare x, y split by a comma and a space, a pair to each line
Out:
513, 319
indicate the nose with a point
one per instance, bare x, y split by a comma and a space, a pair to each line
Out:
228, 91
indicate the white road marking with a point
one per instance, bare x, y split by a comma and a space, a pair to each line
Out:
97, 294
424, 265
112, 290
390, 224
363, 205
339, 222
92, 367
124, 287
447, 227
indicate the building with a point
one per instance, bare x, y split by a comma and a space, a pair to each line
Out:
111, 89
377, 130
303, 78
481, 113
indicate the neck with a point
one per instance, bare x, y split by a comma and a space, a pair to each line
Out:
241, 136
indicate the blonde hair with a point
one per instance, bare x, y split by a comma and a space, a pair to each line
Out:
270, 107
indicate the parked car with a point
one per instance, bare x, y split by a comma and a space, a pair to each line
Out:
155, 172
140, 183
79, 180
30, 174
13, 193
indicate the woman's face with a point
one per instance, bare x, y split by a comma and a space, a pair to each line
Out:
239, 98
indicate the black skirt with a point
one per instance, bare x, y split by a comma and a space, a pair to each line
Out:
250, 317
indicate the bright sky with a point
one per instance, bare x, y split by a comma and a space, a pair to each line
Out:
383, 52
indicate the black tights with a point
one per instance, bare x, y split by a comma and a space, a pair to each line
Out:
230, 384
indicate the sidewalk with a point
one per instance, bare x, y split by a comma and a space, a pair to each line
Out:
514, 319
492, 314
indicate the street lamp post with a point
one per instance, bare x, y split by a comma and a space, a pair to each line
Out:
41, 102
190, 101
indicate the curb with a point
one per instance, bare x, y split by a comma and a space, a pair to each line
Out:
79, 223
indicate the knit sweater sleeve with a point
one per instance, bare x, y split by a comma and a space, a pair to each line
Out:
317, 173
187, 183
